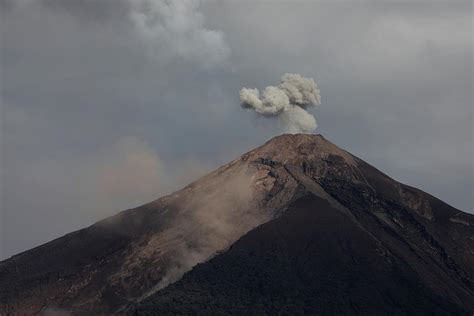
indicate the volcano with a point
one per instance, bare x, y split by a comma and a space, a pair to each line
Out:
296, 226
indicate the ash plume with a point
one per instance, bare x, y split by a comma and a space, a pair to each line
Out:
289, 101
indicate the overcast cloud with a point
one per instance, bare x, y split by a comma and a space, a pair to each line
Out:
106, 105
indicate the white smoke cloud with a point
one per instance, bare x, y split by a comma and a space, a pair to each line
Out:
288, 101
298, 120
176, 28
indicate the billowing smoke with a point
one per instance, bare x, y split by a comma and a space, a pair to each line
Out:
288, 101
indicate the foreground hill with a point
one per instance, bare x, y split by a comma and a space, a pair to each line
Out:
296, 225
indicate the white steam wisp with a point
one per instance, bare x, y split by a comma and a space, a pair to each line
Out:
288, 101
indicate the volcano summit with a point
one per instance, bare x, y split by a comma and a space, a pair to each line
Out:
296, 226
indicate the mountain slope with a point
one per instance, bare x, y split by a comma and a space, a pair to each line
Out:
138, 251
130, 257
311, 260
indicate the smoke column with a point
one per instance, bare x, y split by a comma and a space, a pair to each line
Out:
289, 101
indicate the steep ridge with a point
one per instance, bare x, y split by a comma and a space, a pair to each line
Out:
358, 242
130, 257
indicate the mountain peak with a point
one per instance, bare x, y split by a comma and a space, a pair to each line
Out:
296, 149
133, 255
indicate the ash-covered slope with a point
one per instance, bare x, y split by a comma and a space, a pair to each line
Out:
127, 257
408, 239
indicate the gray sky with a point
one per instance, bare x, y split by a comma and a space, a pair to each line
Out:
106, 105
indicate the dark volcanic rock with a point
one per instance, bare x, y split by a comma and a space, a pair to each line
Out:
323, 232
311, 260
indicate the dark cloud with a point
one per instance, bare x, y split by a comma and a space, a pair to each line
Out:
78, 78
97, 11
